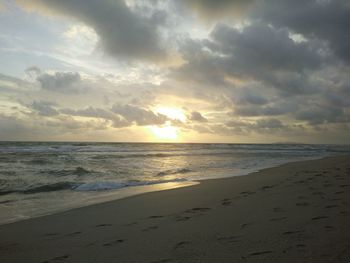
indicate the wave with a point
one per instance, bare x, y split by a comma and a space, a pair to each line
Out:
90, 186
110, 185
79, 171
135, 149
174, 171
50, 188
42, 188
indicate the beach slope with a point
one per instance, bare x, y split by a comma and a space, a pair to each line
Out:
298, 212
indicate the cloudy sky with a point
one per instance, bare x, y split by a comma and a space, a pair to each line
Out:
175, 70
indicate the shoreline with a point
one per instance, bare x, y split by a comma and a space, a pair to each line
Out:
98, 197
293, 212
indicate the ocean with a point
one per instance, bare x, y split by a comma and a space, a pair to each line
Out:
39, 178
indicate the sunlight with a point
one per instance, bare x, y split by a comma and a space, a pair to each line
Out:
171, 113
165, 133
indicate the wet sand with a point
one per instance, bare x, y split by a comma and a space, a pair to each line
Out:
298, 212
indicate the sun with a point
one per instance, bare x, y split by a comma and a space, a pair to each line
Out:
166, 132
171, 113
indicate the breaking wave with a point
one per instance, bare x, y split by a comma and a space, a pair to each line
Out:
110, 185
174, 171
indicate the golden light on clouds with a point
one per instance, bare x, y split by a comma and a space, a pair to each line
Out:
171, 113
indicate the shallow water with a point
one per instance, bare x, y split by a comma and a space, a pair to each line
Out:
40, 178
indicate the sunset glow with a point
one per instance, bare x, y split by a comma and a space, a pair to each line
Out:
172, 113
167, 132
184, 71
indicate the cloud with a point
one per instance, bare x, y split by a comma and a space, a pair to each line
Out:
211, 9
196, 116
326, 20
120, 115
33, 71
44, 108
257, 53
67, 124
124, 32
261, 125
138, 115
260, 47
60, 81
92, 112
316, 114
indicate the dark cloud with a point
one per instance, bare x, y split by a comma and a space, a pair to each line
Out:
268, 124
327, 20
197, 117
251, 94
60, 81
44, 108
257, 52
138, 115
38, 129
259, 48
92, 112
33, 71
68, 124
123, 32
316, 115
120, 115
256, 126
279, 67
215, 8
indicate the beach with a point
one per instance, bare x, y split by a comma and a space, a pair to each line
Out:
296, 212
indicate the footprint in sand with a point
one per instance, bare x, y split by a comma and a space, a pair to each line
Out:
245, 225
319, 217
155, 217
114, 242
259, 253
318, 193
225, 201
198, 209
247, 193
150, 228
300, 245
329, 227
103, 225
292, 232
132, 224
229, 239
51, 234
181, 244
301, 197
60, 258
182, 218
331, 206
278, 209
345, 213
165, 260
302, 204
74, 233
265, 187
278, 218
300, 182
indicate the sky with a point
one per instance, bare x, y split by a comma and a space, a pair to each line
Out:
225, 71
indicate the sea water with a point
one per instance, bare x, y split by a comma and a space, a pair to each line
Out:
38, 178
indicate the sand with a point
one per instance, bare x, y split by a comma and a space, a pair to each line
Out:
298, 212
